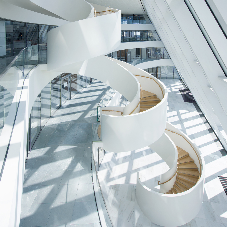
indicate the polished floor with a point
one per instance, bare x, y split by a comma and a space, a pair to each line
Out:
58, 190
118, 171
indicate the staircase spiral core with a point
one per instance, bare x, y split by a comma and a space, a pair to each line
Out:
78, 46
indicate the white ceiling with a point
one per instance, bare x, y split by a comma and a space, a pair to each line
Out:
126, 6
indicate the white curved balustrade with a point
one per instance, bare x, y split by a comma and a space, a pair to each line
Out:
167, 150
173, 209
131, 132
179, 139
104, 30
147, 81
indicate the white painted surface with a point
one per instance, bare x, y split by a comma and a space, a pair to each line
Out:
105, 32
193, 59
167, 150
112, 74
67, 9
212, 29
127, 133
29, 5
153, 84
13, 12
172, 209
218, 7
11, 190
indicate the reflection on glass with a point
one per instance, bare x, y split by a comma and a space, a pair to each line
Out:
15, 36
134, 19
134, 36
164, 72
139, 55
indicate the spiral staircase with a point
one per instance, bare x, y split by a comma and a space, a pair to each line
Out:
79, 46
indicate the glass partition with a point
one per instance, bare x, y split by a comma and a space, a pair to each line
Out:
134, 19
12, 84
138, 36
15, 36
139, 55
163, 72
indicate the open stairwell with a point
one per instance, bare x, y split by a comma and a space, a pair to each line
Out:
187, 173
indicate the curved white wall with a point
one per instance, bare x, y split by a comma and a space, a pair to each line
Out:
172, 209
127, 133
13, 12
67, 9
105, 32
167, 150
152, 85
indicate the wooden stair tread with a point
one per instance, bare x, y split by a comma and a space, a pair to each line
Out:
188, 178
169, 192
150, 97
182, 153
189, 165
185, 185
150, 101
178, 188
174, 190
147, 105
147, 92
185, 159
188, 172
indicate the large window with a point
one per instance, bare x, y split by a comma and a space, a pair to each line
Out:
134, 36
139, 55
15, 36
134, 19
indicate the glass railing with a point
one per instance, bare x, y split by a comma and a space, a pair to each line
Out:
98, 154
138, 36
12, 83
